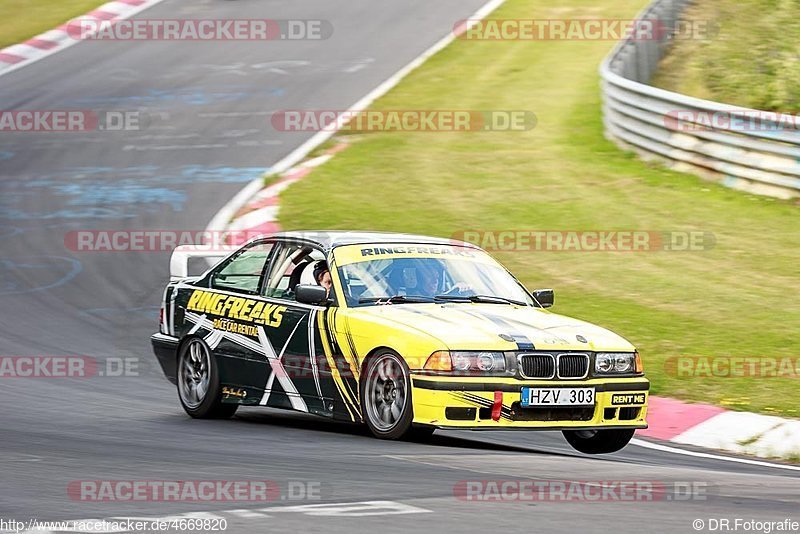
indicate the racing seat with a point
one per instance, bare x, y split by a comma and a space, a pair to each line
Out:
397, 281
297, 275
307, 274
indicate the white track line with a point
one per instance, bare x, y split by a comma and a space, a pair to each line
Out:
664, 448
41, 54
226, 213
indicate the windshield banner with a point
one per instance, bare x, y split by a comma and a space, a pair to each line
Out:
388, 251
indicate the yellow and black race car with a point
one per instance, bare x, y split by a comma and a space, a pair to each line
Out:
404, 333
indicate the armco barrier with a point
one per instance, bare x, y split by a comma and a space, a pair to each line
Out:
755, 151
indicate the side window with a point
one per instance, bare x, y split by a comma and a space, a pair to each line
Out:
243, 271
287, 270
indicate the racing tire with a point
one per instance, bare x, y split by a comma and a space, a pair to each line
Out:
198, 382
601, 441
385, 391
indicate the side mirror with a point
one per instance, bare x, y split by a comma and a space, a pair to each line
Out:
310, 294
545, 297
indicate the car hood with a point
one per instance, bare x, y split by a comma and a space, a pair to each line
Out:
473, 326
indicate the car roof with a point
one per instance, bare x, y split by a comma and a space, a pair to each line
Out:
330, 239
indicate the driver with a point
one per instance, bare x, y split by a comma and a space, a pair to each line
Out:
429, 282
322, 275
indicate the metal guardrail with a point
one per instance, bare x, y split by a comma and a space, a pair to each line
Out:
761, 158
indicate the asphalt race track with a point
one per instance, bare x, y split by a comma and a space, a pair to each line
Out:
207, 135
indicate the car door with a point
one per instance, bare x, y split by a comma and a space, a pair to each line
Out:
295, 380
225, 309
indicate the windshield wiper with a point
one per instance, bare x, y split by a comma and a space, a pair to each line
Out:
488, 299
396, 299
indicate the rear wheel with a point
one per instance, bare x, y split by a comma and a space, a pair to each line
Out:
598, 441
386, 396
198, 383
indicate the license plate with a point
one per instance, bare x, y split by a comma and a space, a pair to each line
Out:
557, 397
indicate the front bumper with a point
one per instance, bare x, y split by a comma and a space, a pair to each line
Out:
459, 402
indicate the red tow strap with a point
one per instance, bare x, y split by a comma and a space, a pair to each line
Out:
497, 406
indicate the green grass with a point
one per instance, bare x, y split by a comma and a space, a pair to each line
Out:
738, 299
753, 62
23, 19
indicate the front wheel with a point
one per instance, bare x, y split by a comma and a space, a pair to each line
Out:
598, 441
386, 396
198, 383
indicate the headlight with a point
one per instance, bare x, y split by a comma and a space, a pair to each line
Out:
461, 361
480, 362
468, 362
486, 361
615, 363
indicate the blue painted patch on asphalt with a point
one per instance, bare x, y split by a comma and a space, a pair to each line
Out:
189, 96
86, 213
115, 193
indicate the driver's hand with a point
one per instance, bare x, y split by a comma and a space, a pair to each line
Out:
460, 287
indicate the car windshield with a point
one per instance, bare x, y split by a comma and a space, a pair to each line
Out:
399, 275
